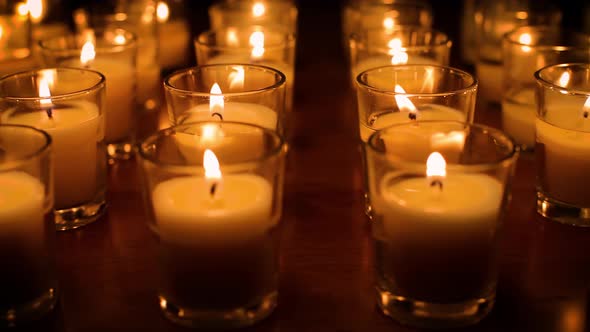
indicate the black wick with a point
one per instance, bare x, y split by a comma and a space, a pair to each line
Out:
586, 114
217, 114
437, 183
49, 112
412, 116
213, 188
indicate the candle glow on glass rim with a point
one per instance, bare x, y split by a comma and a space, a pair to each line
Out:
397, 52
456, 138
525, 39
236, 78
436, 166
216, 103
88, 53
211, 165
162, 12
257, 43
403, 102
258, 9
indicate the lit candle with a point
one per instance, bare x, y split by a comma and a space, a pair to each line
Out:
75, 130
435, 233
563, 144
173, 38
120, 91
216, 235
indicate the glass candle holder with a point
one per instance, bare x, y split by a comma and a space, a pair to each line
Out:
239, 92
562, 143
527, 49
174, 34
253, 45
215, 194
28, 281
399, 45
15, 38
68, 104
113, 53
439, 191
277, 13
360, 15
497, 19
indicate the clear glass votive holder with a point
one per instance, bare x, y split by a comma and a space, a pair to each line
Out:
562, 145
399, 45
435, 227
174, 34
67, 103
231, 13
257, 45
246, 93
499, 17
360, 15
397, 94
111, 52
28, 282
214, 192
526, 50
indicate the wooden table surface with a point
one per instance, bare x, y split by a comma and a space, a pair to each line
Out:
108, 269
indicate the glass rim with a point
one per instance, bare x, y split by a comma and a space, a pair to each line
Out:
359, 37
44, 148
238, 5
472, 86
510, 157
511, 38
130, 43
287, 41
78, 92
142, 145
553, 86
169, 87
389, 3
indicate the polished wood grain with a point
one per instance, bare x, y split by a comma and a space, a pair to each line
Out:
108, 270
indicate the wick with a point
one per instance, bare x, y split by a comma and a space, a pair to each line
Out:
213, 188
437, 183
49, 112
412, 116
586, 114
217, 114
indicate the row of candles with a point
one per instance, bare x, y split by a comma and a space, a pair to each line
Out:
214, 180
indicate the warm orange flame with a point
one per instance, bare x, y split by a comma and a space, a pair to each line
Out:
211, 165
35, 8
162, 12
232, 37
403, 102
216, 103
525, 39
388, 23
397, 52
436, 166
257, 43
586, 109
46, 78
22, 9
120, 39
236, 78
258, 9
87, 54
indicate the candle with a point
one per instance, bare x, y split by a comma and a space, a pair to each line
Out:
435, 234
563, 150
75, 130
216, 237
173, 38
518, 116
490, 80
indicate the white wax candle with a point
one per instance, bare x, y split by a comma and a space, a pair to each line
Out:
490, 79
425, 112
565, 156
120, 91
234, 111
518, 116
187, 214
385, 60
75, 130
21, 207
174, 41
467, 205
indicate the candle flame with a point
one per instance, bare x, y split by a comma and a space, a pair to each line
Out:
87, 54
120, 39
397, 52
525, 39
403, 102
436, 166
209, 132
22, 9
211, 165
162, 12
564, 79
258, 9
35, 9
388, 23
236, 78
45, 79
257, 43
232, 37
586, 109
216, 103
